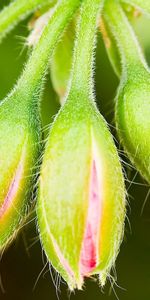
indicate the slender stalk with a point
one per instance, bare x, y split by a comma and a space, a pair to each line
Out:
143, 5
85, 43
16, 11
36, 66
128, 45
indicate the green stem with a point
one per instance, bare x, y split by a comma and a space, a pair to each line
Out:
128, 45
143, 5
83, 54
36, 66
16, 11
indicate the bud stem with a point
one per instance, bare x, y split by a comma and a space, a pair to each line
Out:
130, 50
83, 55
36, 66
16, 11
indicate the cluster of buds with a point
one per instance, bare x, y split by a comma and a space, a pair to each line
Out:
81, 203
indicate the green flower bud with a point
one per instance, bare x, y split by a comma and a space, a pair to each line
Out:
132, 119
20, 132
19, 155
81, 203
133, 97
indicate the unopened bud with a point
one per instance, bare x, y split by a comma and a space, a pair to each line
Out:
132, 118
81, 205
19, 153
133, 97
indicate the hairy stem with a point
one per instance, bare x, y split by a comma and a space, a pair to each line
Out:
36, 66
16, 11
84, 48
127, 42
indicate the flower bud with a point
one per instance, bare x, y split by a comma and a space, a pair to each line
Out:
133, 97
19, 153
81, 205
132, 118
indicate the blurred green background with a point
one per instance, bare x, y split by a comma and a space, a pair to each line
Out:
22, 276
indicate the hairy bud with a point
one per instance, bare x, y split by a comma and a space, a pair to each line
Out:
19, 152
81, 203
133, 97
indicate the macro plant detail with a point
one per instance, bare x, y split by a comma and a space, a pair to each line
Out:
74, 180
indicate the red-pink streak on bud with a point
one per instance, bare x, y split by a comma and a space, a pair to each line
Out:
63, 261
13, 189
89, 259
